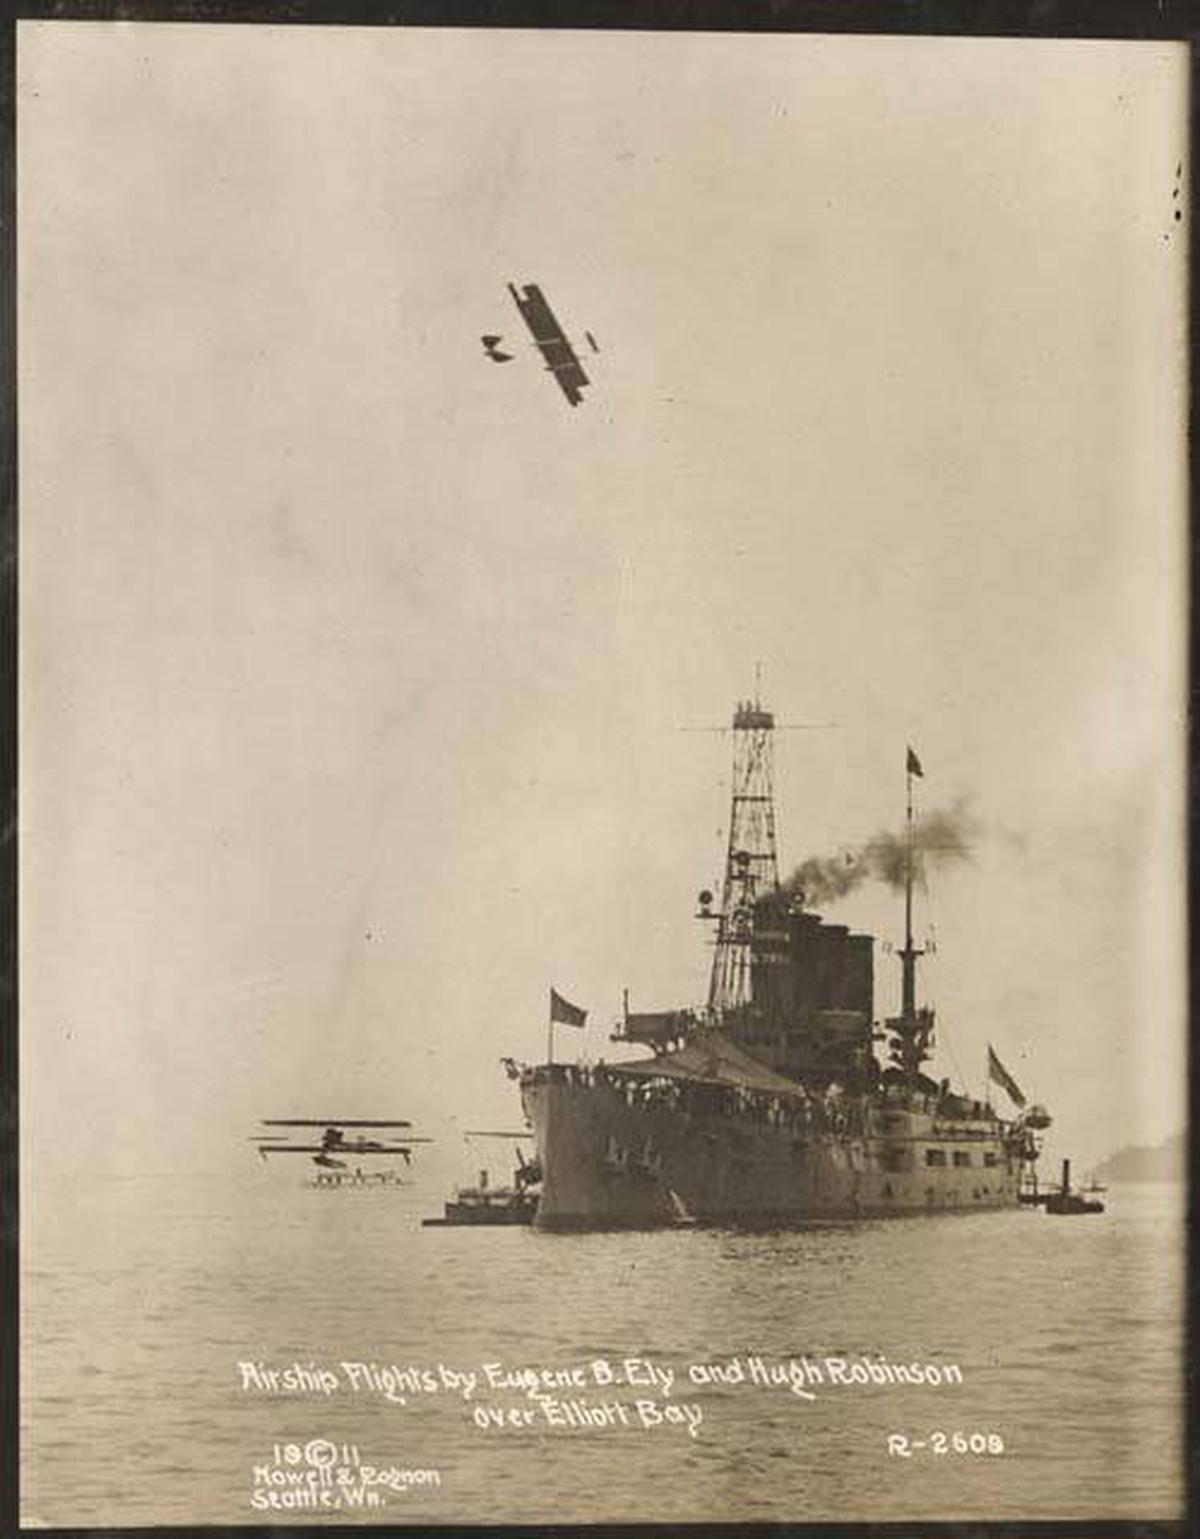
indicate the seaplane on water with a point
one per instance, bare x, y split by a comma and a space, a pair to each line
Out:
334, 1148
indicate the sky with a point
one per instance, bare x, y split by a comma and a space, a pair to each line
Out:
357, 671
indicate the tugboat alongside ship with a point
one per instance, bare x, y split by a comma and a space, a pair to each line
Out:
1068, 1201
487, 1204
769, 1106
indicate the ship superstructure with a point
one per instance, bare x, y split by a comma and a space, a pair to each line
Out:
770, 1105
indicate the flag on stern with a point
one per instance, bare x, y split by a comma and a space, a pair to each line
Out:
914, 765
1003, 1078
564, 1012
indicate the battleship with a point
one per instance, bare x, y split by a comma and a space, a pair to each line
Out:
769, 1106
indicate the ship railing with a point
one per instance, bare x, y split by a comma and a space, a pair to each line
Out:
978, 1131
800, 1113
958, 1135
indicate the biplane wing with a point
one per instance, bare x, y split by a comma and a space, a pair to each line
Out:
329, 1122
551, 341
351, 1146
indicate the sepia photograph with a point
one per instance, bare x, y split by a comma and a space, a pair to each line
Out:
602, 662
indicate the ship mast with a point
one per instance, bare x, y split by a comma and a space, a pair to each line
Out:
751, 862
912, 1029
908, 957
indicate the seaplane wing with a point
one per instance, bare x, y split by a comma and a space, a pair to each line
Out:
551, 341
348, 1146
329, 1122
327, 1149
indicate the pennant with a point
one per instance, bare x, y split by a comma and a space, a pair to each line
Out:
914, 765
564, 1012
997, 1072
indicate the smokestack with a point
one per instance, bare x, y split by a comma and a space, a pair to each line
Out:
861, 974
1066, 1177
769, 954
805, 938
833, 981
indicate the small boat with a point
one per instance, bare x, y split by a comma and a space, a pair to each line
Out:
1067, 1201
487, 1204
1072, 1202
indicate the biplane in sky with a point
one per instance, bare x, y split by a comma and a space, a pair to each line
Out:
334, 1142
550, 340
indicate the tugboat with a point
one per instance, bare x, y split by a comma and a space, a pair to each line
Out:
1067, 1201
487, 1204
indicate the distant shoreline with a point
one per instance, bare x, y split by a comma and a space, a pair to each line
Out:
1165, 1162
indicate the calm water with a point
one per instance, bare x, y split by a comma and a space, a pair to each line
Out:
141, 1297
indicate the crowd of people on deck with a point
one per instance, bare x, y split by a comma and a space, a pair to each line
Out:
804, 1111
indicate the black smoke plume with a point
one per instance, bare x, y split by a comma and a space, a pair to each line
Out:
941, 837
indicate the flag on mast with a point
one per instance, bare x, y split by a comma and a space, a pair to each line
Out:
997, 1072
564, 1012
914, 765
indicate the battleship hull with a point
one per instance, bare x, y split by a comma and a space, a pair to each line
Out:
615, 1157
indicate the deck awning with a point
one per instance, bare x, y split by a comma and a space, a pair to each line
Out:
712, 1059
